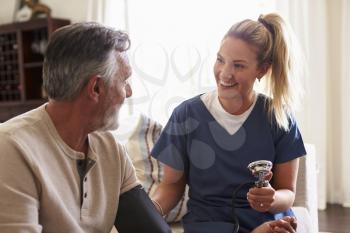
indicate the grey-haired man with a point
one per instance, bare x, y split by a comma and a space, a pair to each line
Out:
60, 169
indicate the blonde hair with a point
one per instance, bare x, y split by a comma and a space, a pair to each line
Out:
278, 49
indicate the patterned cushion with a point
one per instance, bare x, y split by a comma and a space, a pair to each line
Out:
148, 170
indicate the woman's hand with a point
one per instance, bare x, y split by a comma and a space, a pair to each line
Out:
261, 199
285, 225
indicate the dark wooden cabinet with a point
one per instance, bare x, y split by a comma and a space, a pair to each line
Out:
22, 46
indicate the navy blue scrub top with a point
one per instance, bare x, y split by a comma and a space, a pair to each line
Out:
215, 162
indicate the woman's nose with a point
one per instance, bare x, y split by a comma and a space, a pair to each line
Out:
227, 73
226, 76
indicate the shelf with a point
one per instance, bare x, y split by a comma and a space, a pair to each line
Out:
33, 83
32, 64
20, 103
34, 24
22, 46
13, 108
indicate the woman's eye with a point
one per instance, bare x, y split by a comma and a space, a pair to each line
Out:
238, 66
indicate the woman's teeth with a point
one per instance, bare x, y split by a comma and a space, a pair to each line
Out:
227, 84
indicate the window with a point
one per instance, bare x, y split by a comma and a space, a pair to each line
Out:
174, 44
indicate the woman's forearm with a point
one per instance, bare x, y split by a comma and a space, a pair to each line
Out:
167, 195
284, 199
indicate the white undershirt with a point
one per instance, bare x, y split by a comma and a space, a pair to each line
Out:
231, 123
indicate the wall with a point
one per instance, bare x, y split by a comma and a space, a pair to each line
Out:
75, 10
6, 11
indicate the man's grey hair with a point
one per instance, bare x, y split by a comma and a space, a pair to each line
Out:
78, 51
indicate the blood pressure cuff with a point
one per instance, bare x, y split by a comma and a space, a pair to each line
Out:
137, 214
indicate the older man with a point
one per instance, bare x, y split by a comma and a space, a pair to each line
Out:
60, 169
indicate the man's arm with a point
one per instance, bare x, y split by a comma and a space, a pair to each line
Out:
19, 205
136, 213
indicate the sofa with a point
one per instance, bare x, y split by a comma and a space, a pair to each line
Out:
139, 133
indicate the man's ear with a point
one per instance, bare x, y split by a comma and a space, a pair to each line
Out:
94, 88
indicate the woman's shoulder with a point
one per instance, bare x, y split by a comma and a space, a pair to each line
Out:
190, 108
190, 103
264, 102
263, 99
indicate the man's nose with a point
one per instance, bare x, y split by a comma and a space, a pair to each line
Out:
128, 90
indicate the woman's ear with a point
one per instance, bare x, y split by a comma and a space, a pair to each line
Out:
263, 70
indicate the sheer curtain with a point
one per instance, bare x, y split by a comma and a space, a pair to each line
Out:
308, 19
324, 29
338, 188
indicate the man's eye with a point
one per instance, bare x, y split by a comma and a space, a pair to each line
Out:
219, 60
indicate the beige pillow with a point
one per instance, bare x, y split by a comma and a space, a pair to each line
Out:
149, 170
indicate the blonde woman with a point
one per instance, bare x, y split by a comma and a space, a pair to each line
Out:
211, 138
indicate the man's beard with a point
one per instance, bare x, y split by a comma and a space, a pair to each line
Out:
110, 121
